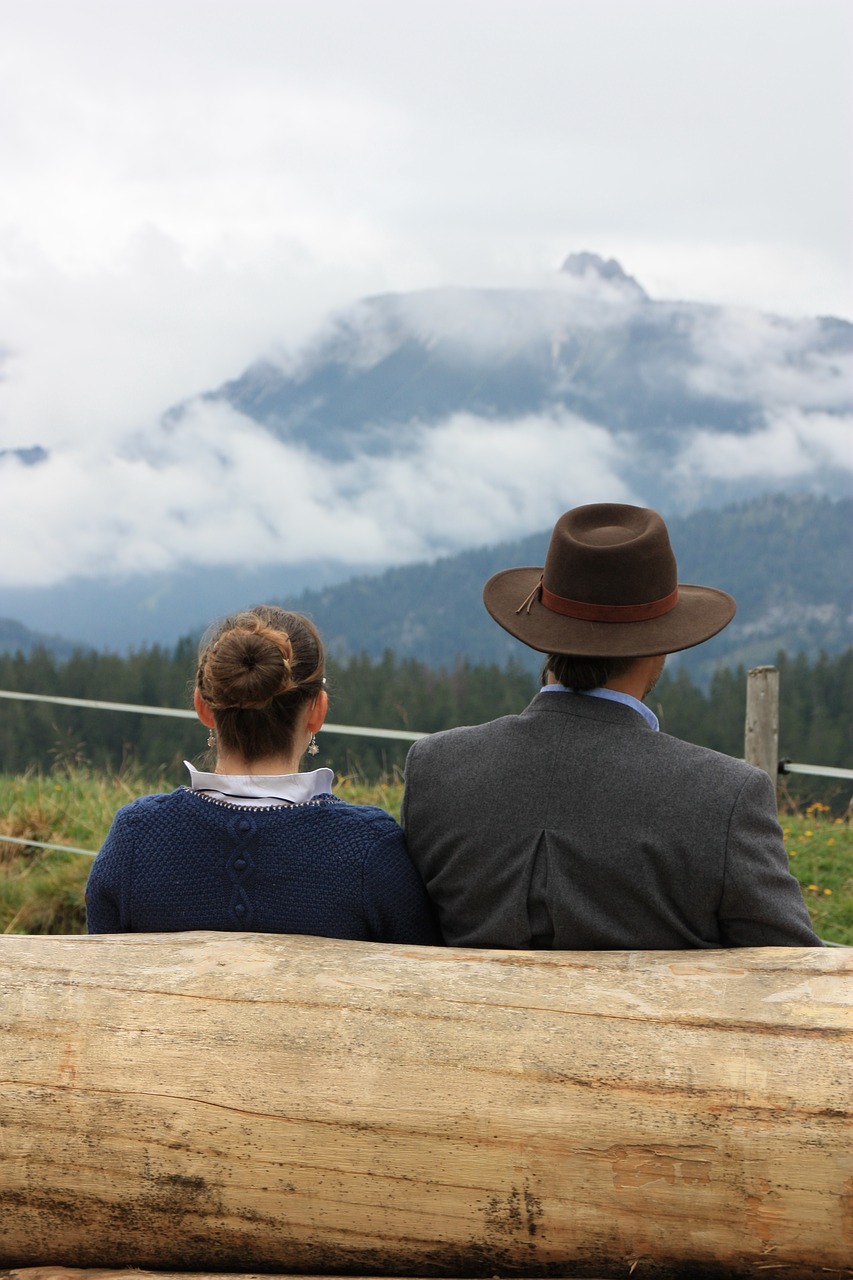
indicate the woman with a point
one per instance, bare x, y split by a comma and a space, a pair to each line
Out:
256, 844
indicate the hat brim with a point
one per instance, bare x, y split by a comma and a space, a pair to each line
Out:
701, 612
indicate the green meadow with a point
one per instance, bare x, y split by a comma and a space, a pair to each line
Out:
41, 890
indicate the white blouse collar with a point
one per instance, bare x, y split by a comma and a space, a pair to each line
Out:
293, 788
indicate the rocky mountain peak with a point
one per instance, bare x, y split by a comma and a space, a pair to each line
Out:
590, 266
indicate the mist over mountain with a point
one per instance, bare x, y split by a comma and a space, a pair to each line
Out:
129, 612
785, 558
673, 404
413, 427
28, 457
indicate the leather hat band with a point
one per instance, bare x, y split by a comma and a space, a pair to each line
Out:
607, 612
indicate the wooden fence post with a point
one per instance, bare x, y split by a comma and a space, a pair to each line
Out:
761, 740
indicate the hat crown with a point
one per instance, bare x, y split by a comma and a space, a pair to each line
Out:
610, 554
609, 588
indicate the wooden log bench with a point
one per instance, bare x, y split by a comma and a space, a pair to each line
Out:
237, 1103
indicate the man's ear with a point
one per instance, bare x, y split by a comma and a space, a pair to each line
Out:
203, 711
317, 714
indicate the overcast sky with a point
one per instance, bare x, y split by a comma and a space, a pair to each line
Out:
188, 185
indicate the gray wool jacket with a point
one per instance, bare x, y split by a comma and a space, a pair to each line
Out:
576, 826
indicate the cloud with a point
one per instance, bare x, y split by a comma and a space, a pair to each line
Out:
102, 349
748, 356
216, 488
219, 489
470, 325
473, 481
191, 185
792, 445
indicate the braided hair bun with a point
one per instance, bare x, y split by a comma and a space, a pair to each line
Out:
256, 670
247, 667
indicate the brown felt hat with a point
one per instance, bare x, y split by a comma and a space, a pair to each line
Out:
609, 589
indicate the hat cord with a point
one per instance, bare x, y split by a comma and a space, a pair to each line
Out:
587, 611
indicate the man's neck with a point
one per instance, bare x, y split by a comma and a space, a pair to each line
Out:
638, 680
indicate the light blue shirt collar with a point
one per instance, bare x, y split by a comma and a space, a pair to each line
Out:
611, 695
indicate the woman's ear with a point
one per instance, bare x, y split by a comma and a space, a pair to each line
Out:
317, 714
203, 711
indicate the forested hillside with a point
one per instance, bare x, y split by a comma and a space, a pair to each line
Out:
391, 693
14, 637
786, 560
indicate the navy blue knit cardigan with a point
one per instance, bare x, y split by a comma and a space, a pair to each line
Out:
183, 861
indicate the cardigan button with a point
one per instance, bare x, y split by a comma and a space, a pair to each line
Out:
239, 864
240, 909
244, 824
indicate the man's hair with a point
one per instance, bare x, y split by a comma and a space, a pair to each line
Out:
583, 674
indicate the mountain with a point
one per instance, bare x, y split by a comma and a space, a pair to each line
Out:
657, 385
16, 638
120, 613
414, 427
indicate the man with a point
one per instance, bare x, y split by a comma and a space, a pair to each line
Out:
577, 825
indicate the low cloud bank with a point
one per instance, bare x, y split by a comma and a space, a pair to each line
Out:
793, 444
218, 489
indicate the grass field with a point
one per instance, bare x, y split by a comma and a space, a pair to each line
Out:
41, 890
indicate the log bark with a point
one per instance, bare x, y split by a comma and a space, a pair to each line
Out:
75, 1273
251, 1103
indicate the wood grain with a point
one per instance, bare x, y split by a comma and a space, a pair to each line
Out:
236, 1102
75, 1273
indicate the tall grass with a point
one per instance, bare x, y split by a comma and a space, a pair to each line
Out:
820, 854
41, 890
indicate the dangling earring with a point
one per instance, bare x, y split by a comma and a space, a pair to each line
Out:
211, 738
313, 749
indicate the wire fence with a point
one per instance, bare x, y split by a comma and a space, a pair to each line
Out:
785, 766
356, 730
182, 714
